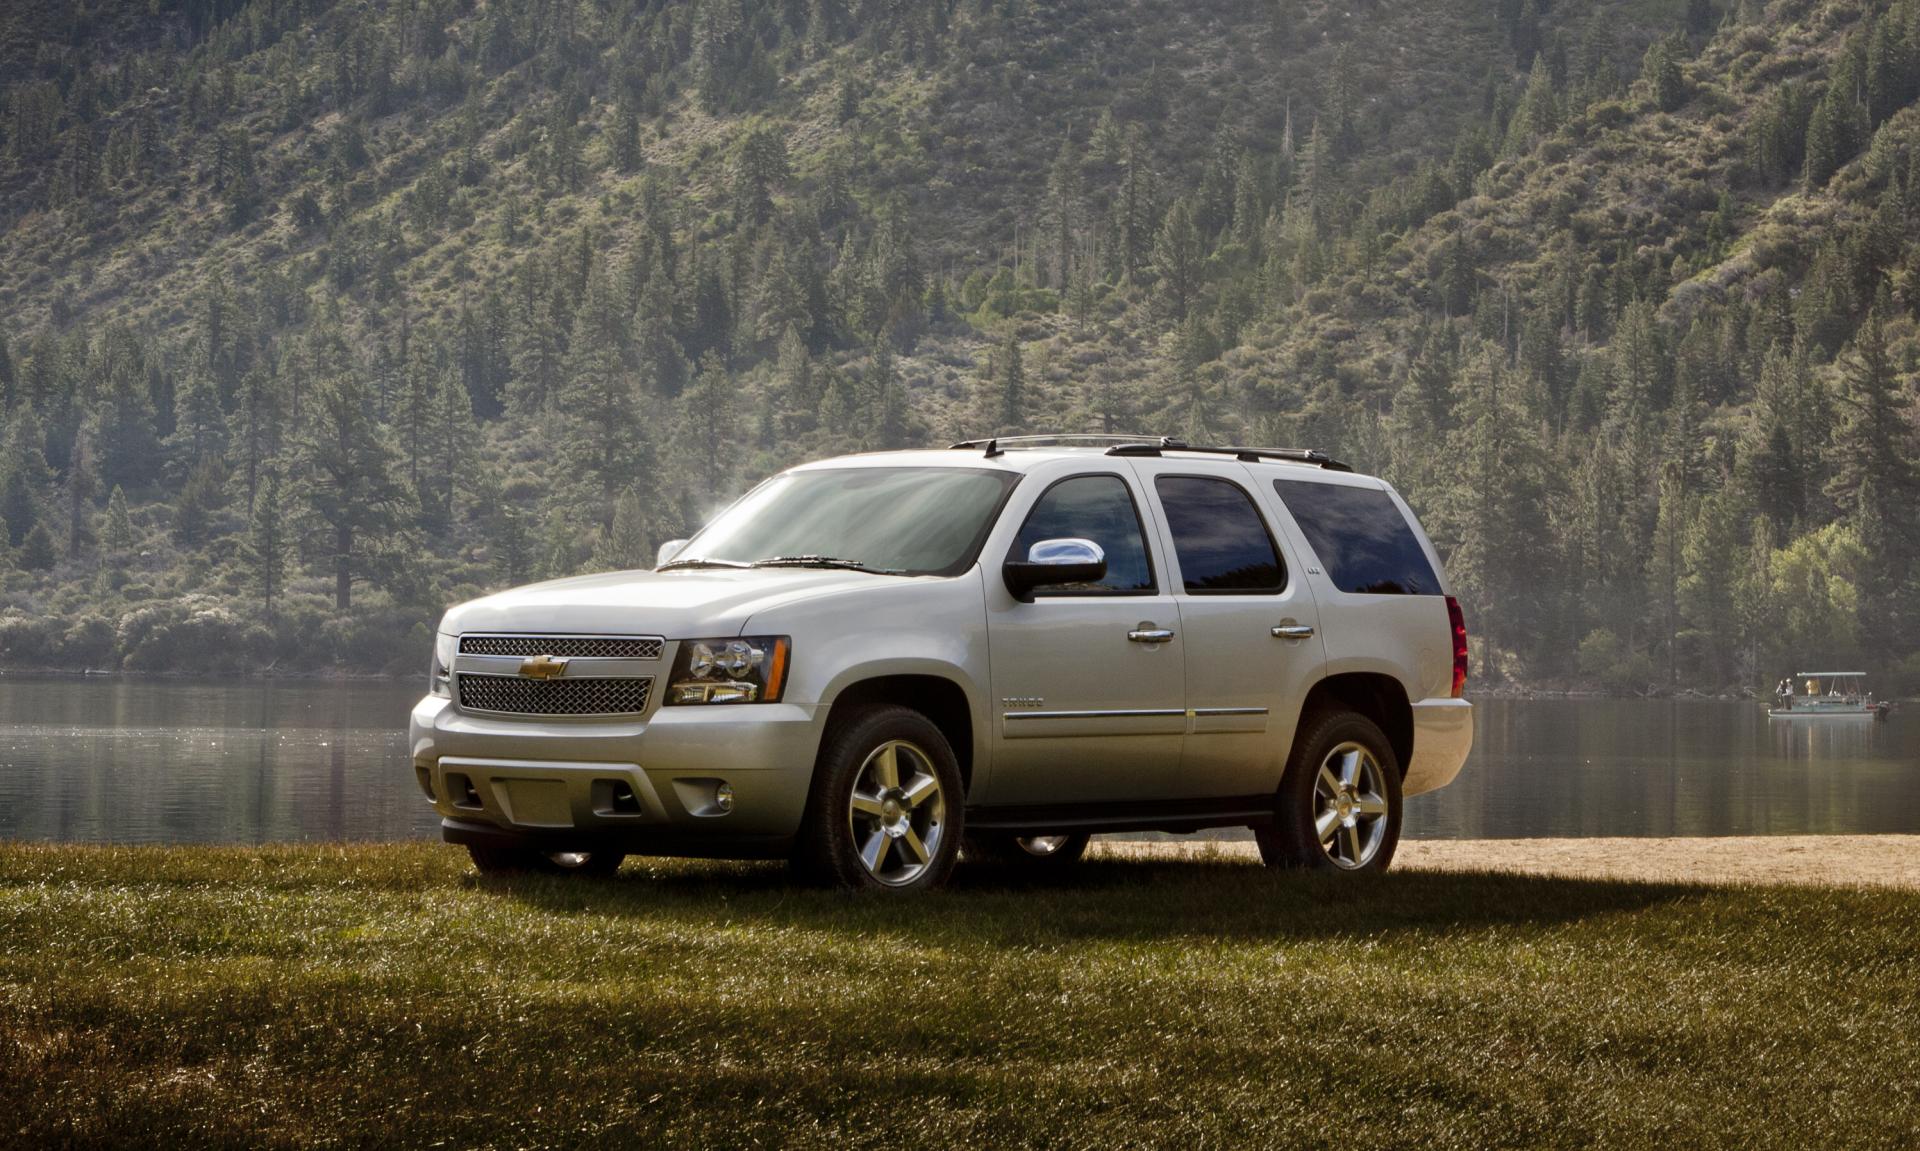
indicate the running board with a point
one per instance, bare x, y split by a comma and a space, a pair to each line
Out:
1175, 815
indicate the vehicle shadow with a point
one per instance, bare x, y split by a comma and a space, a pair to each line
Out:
1103, 899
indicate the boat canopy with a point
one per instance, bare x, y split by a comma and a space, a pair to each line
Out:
1827, 674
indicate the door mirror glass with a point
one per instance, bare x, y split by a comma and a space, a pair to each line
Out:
667, 551
1056, 561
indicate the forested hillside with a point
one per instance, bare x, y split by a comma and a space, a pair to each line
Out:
316, 315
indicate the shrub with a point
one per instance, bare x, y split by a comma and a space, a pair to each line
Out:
91, 641
1613, 665
29, 638
191, 635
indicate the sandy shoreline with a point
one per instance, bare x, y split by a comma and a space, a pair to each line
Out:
1826, 860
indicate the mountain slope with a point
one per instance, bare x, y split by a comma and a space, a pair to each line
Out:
492, 290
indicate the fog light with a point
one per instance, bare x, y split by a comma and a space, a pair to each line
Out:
723, 798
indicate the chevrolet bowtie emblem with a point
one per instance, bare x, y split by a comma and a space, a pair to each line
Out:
543, 667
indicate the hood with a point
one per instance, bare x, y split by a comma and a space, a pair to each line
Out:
675, 604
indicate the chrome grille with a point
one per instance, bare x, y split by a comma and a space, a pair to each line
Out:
512, 695
573, 646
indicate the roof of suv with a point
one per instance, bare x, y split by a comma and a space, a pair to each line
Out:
1011, 454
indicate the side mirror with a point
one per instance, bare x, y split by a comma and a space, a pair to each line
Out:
1052, 562
667, 551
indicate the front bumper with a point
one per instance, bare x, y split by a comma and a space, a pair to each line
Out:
651, 785
1442, 737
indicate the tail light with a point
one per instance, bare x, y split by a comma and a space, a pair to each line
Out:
1458, 624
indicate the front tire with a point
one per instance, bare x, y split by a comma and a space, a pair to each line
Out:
526, 861
886, 813
1339, 806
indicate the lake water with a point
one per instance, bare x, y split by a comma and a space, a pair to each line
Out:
165, 761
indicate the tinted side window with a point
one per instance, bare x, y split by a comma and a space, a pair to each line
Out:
1220, 538
1098, 508
1362, 540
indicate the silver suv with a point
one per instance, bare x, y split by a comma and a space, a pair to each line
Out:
867, 664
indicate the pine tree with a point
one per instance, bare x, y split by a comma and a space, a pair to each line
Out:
82, 484
602, 441
349, 482
1660, 71
623, 547
886, 406
1133, 210
266, 549
36, 550
200, 498
627, 156
1638, 372
511, 550
1712, 555
1011, 381
259, 427
200, 428
1875, 442
1539, 111
118, 537
708, 416
1823, 147
26, 482
1667, 567
759, 166
1177, 257
663, 366
1495, 506
1064, 192
558, 559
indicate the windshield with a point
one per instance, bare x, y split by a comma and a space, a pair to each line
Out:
913, 521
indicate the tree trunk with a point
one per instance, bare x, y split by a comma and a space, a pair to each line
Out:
342, 568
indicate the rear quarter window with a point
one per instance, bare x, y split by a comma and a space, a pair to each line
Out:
1363, 541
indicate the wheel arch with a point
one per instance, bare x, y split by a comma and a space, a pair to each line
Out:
940, 698
1379, 697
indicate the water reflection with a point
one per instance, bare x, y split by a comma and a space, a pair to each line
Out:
142, 761
1638, 767
135, 761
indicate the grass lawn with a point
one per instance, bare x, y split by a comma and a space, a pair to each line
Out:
384, 995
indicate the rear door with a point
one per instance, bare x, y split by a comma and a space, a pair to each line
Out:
1378, 583
1089, 682
1248, 623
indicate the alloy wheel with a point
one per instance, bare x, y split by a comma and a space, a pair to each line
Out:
1350, 806
897, 813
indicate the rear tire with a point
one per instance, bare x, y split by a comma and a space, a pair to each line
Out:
1339, 804
1028, 852
886, 813
526, 861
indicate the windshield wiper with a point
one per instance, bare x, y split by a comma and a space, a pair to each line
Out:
813, 561
701, 562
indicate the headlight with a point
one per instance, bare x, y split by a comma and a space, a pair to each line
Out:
735, 669
440, 672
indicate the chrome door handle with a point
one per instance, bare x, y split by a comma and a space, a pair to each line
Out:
1148, 634
1293, 631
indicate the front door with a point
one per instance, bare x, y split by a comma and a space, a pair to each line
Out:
1253, 648
1088, 680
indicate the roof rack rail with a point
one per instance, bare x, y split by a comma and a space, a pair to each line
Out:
1137, 445
1244, 455
995, 445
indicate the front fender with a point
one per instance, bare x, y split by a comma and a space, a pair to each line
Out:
925, 627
